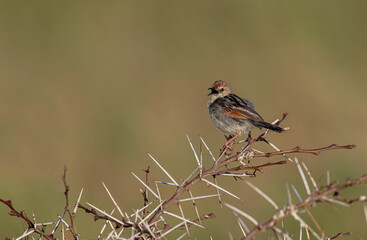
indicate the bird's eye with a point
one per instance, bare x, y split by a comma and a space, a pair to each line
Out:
220, 89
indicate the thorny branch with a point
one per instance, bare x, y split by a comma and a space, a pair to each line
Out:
33, 225
23, 216
67, 207
202, 217
298, 149
245, 153
145, 224
145, 192
340, 235
99, 217
322, 195
249, 167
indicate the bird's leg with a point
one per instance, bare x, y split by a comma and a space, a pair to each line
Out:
228, 144
249, 138
231, 139
224, 146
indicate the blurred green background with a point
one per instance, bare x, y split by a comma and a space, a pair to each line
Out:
97, 85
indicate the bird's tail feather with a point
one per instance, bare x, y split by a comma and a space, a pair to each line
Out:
269, 126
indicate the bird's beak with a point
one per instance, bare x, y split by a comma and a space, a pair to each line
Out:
213, 91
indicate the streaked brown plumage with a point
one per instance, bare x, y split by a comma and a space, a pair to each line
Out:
234, 115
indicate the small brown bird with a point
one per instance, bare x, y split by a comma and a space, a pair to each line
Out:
234, 115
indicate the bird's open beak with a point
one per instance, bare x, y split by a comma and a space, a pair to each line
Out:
213, 91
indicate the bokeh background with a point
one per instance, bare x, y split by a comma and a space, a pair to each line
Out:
97, 85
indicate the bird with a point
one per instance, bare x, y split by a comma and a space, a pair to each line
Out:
234, 115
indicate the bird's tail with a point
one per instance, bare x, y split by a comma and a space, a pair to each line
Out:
269, 126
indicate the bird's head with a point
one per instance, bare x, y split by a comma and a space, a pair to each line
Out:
219, 89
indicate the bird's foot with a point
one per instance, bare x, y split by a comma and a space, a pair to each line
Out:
231, 140
227, 147
249, 138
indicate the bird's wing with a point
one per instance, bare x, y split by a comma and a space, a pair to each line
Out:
235, 108
248, 103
